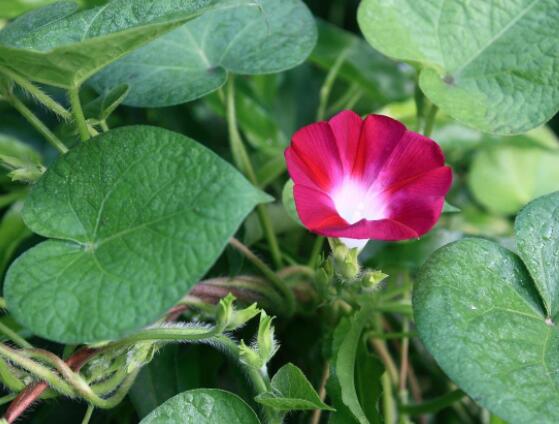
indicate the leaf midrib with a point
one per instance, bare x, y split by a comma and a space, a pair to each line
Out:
493, 39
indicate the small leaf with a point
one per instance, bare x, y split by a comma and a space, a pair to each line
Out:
22, 160
478, 312
343, 414
289, 201
291, 391
103, 106
537, 240
506, 176
448, 208
203, 406
347, 341
47, 45
196, 58
467, 52
136, 218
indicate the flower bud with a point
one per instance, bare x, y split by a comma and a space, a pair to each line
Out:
21, 170
224, 312
346, 263
228, 319
249, 356
242, 316
267, 346
372, 278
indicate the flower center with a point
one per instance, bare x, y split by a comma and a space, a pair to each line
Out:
354, 201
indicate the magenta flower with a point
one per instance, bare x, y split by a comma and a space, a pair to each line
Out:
366, 179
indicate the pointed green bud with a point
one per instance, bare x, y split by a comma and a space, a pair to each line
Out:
267, 346
249, 356
224, 313
22, 170
345, 261
372, 278
241, 317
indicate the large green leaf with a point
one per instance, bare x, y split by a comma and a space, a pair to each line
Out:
491, 65
194, 60
505, 177
537, 240
11, 8
60, 46
480, 316
139, 214
203, 406
291, 391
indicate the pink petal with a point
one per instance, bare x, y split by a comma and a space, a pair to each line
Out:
346, 127
316, 209
414, 155
312, 158
384, 229
379, 137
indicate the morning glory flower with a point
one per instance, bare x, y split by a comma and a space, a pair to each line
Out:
366, 179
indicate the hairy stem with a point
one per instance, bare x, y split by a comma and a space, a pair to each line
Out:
37, 124
13, 336
37, 93
79, 117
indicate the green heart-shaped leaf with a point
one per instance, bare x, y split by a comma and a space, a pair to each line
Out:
194, 60
480, 316
139, 214
537, 240
48, 44
469, 52
291, 391
203, 406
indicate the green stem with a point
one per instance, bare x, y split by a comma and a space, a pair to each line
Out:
404, 367
238, 150
163, 334
77, 110
37, 93
315, 252
104, 126
13, 336
389, 406
38, 370
329, 83
433, 405
267, 227
277, 282
88, 414
430, 120
242, 160
37, 124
